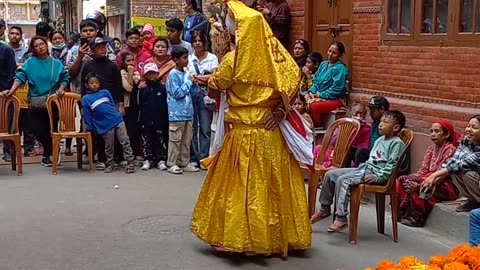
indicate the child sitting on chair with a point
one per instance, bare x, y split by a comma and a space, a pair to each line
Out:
358, 111
384, 155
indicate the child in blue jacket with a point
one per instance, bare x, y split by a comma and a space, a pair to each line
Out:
102, 117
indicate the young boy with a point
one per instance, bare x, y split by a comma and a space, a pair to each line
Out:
377, 106
110, 79
180, 114
174, 33
154, 119
384, 155
101, 116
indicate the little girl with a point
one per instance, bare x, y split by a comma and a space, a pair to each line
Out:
357, 111
130, 80
300, 105
149, 39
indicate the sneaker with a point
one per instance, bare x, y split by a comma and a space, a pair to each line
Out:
193, 164
7, 157
123, 164
162, 166
46, 162
175, 170
190, 168
100, 166
146, 165
85, 160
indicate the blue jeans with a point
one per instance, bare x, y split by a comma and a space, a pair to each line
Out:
202, 121
475, 227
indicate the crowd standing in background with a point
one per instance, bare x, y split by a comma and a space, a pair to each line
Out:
162, 102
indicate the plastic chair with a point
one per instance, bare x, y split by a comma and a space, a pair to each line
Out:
347, 130
66, 128
5, 130
356, 193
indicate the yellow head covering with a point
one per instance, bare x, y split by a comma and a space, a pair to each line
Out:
260, 59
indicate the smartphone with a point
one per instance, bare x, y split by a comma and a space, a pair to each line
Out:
83, 41
425, 195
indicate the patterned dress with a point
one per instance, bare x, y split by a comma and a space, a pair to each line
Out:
411, 206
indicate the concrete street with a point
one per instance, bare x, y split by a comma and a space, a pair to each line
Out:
78, 221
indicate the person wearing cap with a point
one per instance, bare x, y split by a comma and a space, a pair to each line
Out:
154, 119
377, 106
3, 27
110, 79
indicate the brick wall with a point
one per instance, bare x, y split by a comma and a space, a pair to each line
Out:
297, 8
156, 9
426, 83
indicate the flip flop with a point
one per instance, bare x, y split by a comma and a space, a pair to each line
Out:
335, 228
319, 216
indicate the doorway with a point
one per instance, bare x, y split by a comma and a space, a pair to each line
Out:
327, 21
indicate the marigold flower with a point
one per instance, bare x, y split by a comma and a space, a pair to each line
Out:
368, 268
409, 261
438, 260
460, 254
474, 261
455, 266
433, 267
385, 265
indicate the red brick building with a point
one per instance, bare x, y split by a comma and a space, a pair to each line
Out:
23, 13
427, 69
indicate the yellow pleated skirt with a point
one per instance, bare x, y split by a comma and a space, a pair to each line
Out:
253, 197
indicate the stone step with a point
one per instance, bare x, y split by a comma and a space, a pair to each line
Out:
445, 221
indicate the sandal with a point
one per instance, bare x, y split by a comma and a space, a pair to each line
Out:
108, 169
130, 168
320, 215
337, 226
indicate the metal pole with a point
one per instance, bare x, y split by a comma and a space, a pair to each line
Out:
126, 19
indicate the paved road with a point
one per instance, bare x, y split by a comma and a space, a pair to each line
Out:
77, 221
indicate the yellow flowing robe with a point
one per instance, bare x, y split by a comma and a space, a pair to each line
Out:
253, 197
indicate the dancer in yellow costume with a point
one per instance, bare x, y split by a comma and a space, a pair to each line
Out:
253, 197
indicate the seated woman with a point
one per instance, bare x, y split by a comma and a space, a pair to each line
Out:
300, 52
415, 209
329, 86
464, 167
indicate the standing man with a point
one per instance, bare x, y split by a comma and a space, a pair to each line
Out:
3, 27
133, 43
100, 20
7, 73
277, 14
15, 34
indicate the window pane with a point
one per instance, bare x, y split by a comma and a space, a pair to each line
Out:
466, 18
406, 16
392, 16
442, 16
478, 17
427, 15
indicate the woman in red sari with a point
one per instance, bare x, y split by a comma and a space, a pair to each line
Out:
414, 210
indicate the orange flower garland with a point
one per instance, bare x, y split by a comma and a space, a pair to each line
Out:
462, 257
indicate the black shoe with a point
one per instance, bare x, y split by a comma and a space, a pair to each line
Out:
411, 222
46, 162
